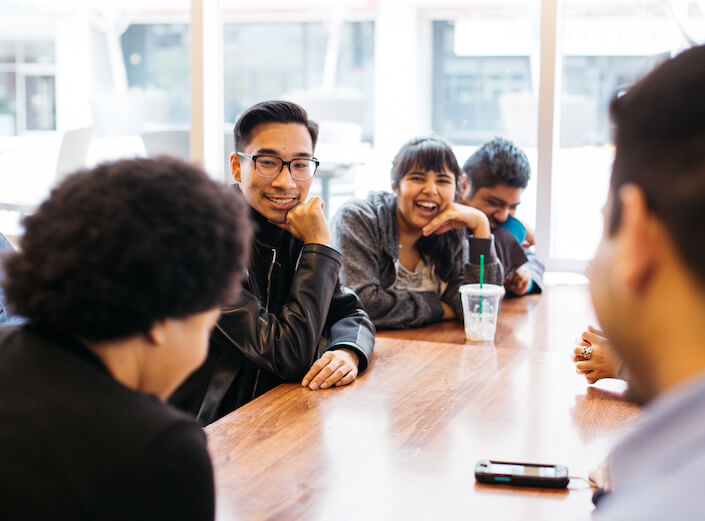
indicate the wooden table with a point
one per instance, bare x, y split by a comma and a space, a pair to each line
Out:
402, 441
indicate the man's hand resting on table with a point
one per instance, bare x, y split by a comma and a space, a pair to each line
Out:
519, 280
334, 368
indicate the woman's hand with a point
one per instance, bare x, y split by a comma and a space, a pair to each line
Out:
457, 215
603, 363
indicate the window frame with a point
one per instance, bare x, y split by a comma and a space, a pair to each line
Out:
23, 70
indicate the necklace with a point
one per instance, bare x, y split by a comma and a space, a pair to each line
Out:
411, 240
412, 245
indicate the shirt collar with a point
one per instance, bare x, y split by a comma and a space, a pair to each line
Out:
68, 344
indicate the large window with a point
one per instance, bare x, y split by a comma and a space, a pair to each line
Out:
374, 73
83, 83
469, 105
156, 58
266, 60
27, 86
606, 47
478, 95
485, 80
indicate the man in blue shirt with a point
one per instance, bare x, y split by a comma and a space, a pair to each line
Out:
648, 287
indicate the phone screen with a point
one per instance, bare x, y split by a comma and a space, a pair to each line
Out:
523, 470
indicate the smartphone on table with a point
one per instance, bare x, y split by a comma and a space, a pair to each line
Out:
521, 474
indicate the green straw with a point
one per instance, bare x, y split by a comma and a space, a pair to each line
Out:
482, 277
482, 269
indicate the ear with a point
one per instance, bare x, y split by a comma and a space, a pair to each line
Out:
636, 240
463, 185
235, 167
157, 335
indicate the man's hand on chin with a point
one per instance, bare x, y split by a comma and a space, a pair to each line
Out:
307, 222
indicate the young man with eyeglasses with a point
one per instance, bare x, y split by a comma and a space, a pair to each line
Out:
293, 322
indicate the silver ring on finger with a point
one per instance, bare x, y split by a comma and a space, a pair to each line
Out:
586, 353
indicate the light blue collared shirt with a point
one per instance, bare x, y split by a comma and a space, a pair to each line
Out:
658, 470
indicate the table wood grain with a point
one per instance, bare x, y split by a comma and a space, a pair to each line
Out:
402, 441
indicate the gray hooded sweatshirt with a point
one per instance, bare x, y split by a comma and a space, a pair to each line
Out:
366, 233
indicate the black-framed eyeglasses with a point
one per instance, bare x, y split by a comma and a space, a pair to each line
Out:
301, 168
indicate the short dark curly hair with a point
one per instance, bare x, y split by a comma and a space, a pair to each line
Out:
119, 247
497, 162
430, 153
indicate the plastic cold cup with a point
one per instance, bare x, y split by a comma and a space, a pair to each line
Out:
480, 307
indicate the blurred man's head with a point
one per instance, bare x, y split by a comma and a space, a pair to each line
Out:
273, 159
496, 175
648, 275
142, 248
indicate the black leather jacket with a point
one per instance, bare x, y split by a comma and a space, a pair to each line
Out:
292, 309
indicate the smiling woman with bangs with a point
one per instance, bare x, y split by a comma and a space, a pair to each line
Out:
407, 252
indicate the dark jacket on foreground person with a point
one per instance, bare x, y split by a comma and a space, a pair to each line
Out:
291, 310
77, 444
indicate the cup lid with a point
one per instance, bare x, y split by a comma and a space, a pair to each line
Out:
487, 290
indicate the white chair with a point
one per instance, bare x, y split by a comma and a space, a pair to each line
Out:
175, 142
73, 151
172, 142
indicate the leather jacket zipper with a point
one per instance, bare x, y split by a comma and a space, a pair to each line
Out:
266, 307
269, 277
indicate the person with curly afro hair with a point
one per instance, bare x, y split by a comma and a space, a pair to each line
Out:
121, 274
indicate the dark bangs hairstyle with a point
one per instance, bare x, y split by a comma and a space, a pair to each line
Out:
432, 153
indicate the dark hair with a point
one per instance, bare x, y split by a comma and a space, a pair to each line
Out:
497, 162
432, 154
117, 248
660, 147
274, 111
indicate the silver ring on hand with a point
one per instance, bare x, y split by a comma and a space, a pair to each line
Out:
586, 353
